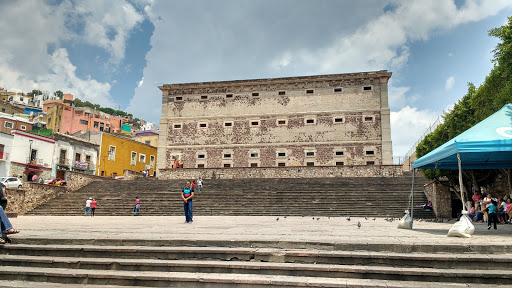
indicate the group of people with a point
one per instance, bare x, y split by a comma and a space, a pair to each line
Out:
90, 206
5, 225
491, 210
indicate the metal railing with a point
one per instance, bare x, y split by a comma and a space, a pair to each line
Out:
411, 151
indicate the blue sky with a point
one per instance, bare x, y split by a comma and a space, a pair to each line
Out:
113, 52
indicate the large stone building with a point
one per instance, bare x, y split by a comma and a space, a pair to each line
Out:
323, 120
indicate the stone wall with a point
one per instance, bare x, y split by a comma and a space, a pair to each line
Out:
35, 194
440, 196
130, 175
284, 172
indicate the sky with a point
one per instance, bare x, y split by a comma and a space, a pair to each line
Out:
116, 53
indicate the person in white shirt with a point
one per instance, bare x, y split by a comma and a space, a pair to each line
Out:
88, 206
199, 184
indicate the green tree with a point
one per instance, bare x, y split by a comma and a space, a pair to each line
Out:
58, 94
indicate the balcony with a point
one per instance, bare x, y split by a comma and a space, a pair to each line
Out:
38, 162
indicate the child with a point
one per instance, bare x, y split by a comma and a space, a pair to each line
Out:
492, 214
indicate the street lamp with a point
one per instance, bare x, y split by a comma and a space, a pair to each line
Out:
30, 151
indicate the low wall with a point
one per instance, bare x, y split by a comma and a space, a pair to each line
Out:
283, 172
34, 194
130, 175
441, 198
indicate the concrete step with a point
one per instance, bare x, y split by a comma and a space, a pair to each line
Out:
184, 279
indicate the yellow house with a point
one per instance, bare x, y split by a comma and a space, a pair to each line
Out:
118, 154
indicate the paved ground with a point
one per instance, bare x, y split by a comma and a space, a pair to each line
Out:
246, 228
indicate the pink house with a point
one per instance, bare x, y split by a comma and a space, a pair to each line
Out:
63, 117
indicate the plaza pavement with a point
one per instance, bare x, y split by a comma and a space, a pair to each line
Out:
253, 228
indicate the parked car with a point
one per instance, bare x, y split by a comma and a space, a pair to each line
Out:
11, 182
55, 181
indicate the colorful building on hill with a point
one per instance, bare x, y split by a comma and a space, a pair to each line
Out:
117, 153
64, 118
10, 122
148, 137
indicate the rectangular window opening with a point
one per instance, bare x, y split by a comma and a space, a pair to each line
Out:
253, 165
227, 165
338, 90
227, 155
281, 122
254, 155
281, 164
310, 91
339, 163
200, 165
338, 120
367, 88
177, 126
201, 156
310, 121
255, 94
370, 152
310, 163
202, 125
281, 154
370, 162
368, 119
204, 97
339, 153
310, 154
228, 124
255, 123
229, 95
282, 93
179, 98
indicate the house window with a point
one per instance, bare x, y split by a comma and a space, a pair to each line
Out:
282, 93
200, 165
281, 164
370, 162
228, 124
96, 124
281, 122
253, 165
255, 123
23, 127
202, 125
310, 163
338, 90
177, 126
88, 160
8, 124
147, 142
179, 98
281, 154
310, 91
142, 158
310, 154
77, 157
309, 121
112, 153
254, 155
84, 122
338, 120
370, 152
255, 94
227, 165
367, 88
152, 161
368, 118
133, 160
339, 163
226, 156
204, 97
339, 153
229, 95
201, 156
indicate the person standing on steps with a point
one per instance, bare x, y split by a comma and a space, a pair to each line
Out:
199, 184
93, 206
88, 206
136, 209
187, 194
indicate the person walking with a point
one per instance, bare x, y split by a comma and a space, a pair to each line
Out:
136, 209
492, 214
199, 184
187, 194
5, 226
88, 206
93, 206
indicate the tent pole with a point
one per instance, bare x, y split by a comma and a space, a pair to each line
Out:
460, 183
412, 195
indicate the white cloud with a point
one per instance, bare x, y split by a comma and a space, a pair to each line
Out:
449, 83
397, 96
450, 54
140, 82
407, 127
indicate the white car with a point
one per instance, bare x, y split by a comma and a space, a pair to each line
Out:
11, 182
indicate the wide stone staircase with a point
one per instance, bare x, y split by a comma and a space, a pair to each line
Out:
164, 263
369, 197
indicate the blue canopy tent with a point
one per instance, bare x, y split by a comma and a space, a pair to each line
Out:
487, 145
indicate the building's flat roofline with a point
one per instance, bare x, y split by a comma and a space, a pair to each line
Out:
370, 74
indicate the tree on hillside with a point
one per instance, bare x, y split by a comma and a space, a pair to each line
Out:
34, 93
58, 94
476, 105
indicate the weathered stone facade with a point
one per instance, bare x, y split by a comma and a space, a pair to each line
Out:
440, 196
284, 172
324, 120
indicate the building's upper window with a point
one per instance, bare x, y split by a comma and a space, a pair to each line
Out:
310, 163
84, 122
281, 93
255, 94
255, 123
281, 154
228, 124
227, 165
133, 160
338, 90
281, 164
96, 124
370, 152
142, 158
147, 142
226, 156
112, 153
177, 126
367, 88
254, 155
339, 153
370, 162
368, 118
309, 121
179, 98
204, 97
202, 125
23, 127
8, 124
229, 95
152, 161
339, 163
310, 154
201, 156
254, 165
281, 122
200, 165
310, 91
339, 120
